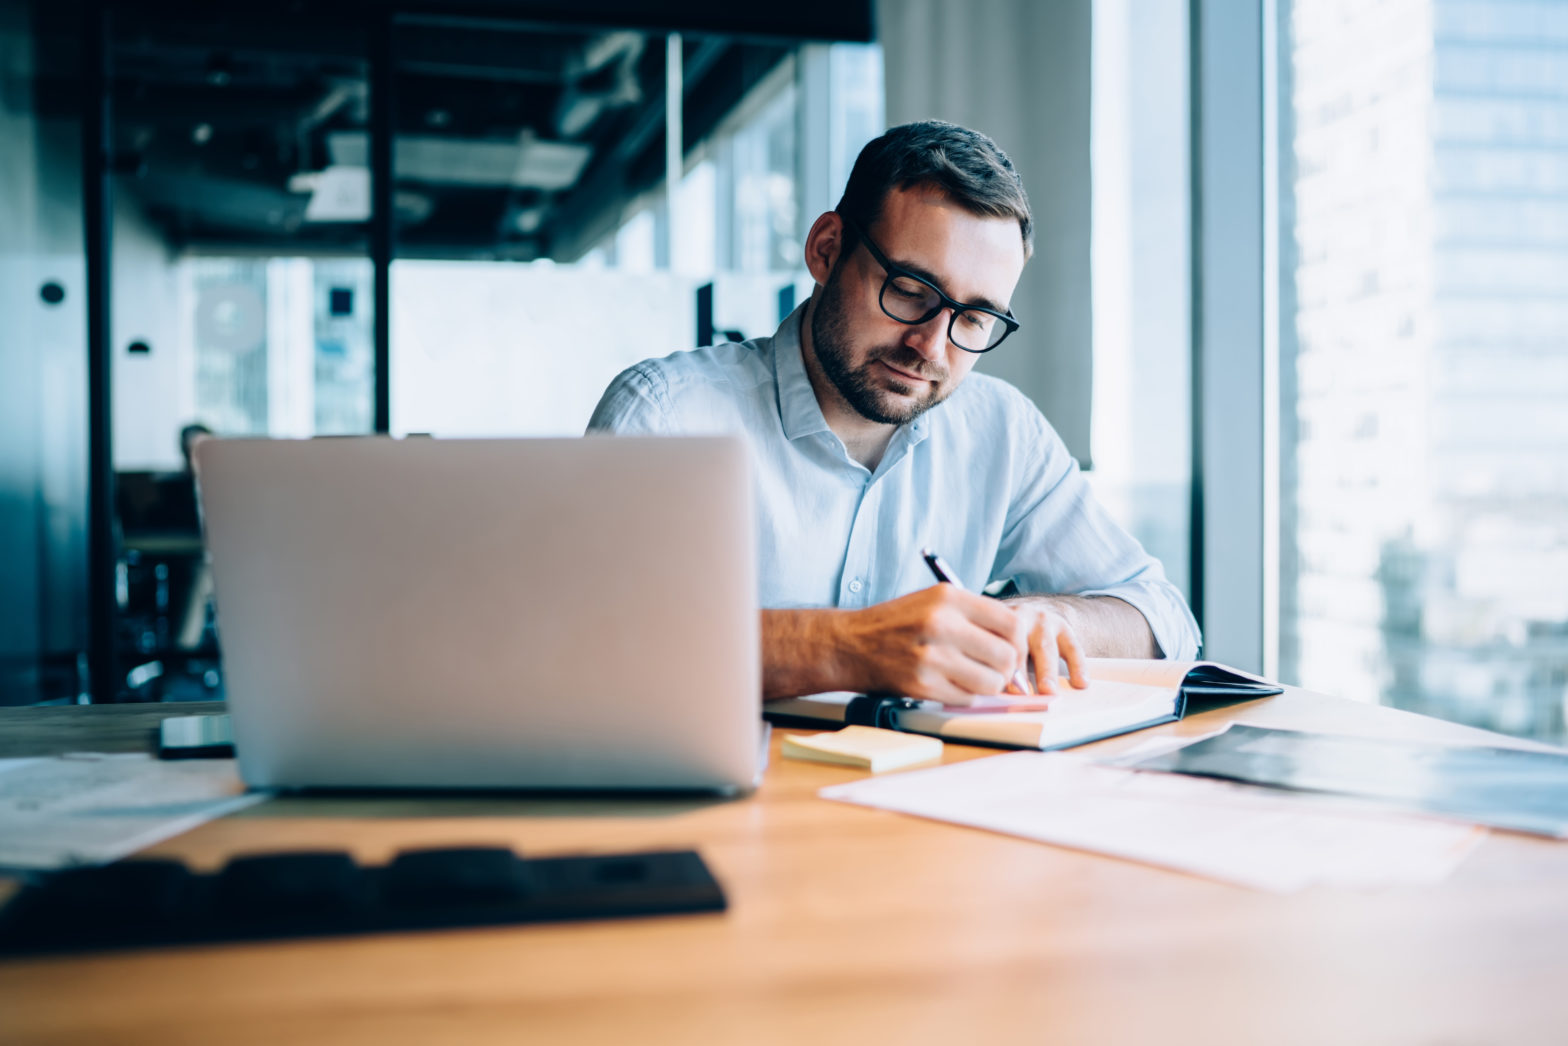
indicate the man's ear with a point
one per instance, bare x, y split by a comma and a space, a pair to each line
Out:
824, 243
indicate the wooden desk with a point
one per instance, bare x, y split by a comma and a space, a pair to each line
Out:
853, 925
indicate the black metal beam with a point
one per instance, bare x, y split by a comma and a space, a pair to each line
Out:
97, 209
1196, 521
382, 217
797, 22
522, 55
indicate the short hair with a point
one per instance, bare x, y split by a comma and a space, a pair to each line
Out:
964, 165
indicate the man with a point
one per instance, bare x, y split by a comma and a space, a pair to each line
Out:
871, 441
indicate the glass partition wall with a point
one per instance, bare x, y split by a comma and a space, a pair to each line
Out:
547, 234
528, 222
517, 152
240, 298
43, 358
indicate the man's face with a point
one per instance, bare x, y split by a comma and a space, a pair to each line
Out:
889, 372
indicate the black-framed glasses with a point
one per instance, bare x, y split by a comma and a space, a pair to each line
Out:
913, 299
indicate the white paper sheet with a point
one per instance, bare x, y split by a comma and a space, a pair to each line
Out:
91, 808
1252, 837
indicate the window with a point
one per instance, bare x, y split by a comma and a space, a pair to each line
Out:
1424, 357
281, 346
1141, 408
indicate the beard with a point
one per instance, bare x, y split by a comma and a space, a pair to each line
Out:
869, 389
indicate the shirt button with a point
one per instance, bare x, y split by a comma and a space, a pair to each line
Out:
855, 585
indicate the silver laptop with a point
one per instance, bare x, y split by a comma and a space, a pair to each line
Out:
530, 613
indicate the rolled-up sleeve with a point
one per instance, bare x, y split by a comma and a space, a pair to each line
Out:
1059, 540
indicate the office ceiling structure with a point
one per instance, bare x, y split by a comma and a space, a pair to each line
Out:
520, 129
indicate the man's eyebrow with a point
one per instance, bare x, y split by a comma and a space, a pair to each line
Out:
931, 278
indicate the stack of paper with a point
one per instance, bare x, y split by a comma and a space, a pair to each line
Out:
1258, 838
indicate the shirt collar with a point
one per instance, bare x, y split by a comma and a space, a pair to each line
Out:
798, 407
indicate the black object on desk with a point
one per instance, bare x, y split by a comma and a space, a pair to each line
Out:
145, 903
877, 710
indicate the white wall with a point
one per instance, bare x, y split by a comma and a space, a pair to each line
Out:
1018, 70
1142, 288
508, 349
154, 393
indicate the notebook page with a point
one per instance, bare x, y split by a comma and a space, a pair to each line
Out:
1140, 670
1106, 706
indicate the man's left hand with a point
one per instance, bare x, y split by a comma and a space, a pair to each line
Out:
1050, 637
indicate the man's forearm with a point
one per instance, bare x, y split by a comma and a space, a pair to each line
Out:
1104, 625
802, 653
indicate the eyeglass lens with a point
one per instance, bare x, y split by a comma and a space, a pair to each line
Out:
913, 301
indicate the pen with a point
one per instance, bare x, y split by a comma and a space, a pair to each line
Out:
944, 572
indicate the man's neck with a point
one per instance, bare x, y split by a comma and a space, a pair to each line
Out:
864, 440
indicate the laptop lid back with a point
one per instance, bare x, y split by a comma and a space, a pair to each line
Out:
532, 613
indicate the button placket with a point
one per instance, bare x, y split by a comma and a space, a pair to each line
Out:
857, 562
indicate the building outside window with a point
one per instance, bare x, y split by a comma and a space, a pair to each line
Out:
1424, 377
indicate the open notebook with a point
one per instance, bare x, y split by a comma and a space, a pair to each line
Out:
1122, 696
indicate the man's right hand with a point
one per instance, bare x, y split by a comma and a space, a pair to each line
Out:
940, 643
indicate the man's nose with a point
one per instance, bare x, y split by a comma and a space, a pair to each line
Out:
930, 338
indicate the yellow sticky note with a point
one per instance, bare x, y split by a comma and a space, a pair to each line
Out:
864, 746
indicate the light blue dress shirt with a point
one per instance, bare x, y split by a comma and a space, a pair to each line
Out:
982, 478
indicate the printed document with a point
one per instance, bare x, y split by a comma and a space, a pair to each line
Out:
1522, 789
1235, 833
92, 808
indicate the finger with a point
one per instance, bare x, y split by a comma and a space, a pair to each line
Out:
967, 679
1023, 630
931, 685
993, 615
985, 648
1018, 678
984, 631
1072, 653
1044, 657
1018, 622
1047, 667
951, 695
942, 673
